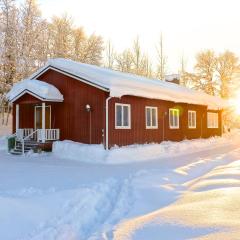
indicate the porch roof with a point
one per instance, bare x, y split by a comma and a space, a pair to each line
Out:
39, 89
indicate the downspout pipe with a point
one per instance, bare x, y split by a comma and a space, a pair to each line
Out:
107, 122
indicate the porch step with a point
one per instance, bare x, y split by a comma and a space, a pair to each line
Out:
28, 145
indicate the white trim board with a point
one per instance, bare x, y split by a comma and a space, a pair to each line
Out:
129, 116
151, 127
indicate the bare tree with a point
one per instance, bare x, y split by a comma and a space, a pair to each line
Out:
93, 49
146, 67
31, 39
227, 64
161, 60
78, 43
205, 71
124, 61
109, 55
9, 50
60, 30
136, 57
186, 78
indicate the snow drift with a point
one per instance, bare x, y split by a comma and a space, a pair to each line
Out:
133, 153
3, 143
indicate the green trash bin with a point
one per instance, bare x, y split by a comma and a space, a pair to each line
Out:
11, 143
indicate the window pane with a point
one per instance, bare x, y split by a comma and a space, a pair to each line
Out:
154, 116
192, 123
212, 119
148, 117
175, 119
125, 116
208, 119
194, 119
171, 118
216, 120
119, 116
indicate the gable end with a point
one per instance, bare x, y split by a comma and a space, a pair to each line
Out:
69, 75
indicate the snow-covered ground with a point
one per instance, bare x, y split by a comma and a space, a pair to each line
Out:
189, 191
5, 129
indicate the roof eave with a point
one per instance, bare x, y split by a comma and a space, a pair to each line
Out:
34, 95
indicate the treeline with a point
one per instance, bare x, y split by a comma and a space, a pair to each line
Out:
213, 73
28, 41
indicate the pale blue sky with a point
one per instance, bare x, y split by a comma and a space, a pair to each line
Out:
187, 25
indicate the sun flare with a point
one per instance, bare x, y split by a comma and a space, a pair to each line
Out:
235, 102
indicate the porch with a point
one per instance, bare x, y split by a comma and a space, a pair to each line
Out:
35, 114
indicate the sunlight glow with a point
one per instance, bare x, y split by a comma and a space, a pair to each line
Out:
235, 102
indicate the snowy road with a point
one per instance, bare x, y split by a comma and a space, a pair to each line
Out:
190, 196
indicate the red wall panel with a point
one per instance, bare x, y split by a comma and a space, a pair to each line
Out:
71, 115
138, 132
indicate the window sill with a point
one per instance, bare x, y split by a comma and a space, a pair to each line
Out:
122, 127
174, 128
151, 127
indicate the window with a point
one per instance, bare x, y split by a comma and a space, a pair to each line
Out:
212, 120
151, 117
122, 116
192, 120
173, 118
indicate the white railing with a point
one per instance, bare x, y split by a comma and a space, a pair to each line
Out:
24, 132
52, 134
48, 135
39, 135
27, 138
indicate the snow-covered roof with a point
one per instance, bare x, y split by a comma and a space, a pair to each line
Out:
39, 89
120, 84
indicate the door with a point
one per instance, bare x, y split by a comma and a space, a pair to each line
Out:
38, 117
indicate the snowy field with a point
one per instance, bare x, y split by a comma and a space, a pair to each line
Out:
188, 190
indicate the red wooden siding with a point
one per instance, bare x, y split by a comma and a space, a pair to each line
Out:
26, 111
73, 120
71, 116
138, 132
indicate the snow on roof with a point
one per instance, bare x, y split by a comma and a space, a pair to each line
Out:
120, 84
39, 89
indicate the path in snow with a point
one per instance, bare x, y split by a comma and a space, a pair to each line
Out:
182, 197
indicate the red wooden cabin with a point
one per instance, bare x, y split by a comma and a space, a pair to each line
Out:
93, 105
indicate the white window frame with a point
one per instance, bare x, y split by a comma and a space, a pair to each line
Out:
129, 116
212, 120
192, 113
178, 114
151, 117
